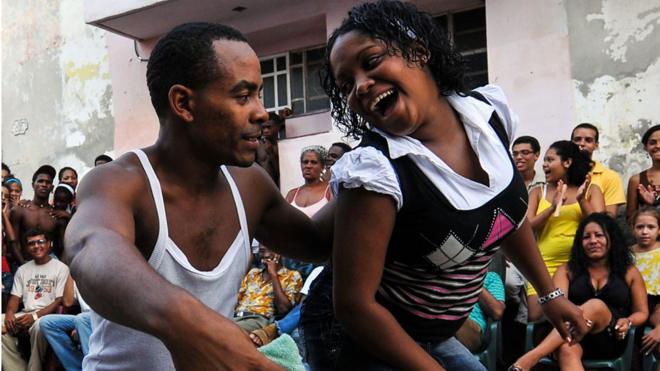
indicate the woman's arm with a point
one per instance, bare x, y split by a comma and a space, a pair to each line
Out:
537, 221
595, 202
364, 222
520, 247
640, 309
631, 198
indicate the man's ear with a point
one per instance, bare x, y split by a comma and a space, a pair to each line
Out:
180, 99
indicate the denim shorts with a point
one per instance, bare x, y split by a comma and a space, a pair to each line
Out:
328, 347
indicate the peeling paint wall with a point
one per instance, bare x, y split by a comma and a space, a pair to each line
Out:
56, 93
615, 67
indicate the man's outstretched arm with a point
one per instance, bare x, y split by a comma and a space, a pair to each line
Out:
119, 284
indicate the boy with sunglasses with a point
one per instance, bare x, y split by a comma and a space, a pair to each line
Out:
39, 284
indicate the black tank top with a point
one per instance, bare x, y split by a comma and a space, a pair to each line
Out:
615, 294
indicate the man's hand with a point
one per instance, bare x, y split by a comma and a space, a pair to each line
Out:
271, 266
651, 341
207, 342
60, 214
567, 318
10, 324
25, 321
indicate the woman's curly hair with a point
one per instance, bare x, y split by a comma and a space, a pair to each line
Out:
407, 32
581, 163
619, 257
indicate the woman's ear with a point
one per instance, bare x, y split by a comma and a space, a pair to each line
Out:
181, 101
567, 163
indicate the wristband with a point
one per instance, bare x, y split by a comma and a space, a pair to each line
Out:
551, 296
35, 317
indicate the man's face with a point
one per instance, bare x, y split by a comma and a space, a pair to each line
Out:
270, 130
334, 154
585, 139
38, 246
228, 112
43, 185
524, 157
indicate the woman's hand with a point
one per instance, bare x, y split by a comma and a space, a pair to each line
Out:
582, 190
567, 318
651, 341
560, 194
622, 326
648, 193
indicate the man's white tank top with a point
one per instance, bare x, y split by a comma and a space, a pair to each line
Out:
115, 347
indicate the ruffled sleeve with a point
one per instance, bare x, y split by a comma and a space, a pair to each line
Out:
368, 168
497, 98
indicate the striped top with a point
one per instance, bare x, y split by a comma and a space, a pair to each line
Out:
438, 254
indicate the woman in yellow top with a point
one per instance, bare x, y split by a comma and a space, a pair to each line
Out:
566, 169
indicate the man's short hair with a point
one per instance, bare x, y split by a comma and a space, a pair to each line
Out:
586, 125
36, 231
105, 158
185, 56
536, 147
44, 169
345, 147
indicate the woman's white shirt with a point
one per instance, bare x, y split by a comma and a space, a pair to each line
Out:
369, 168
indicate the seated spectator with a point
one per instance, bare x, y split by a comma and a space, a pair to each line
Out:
39, 285
102, 159
644, 187
261, 297
490, 305
599, 277
645, 225
585, 136
61, 329
335, 152
289, 323
566, 169
525, 152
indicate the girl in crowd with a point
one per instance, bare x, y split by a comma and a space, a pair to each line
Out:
68, 175
315, 193
644, 188
422, 204
565, 166
15, 190
645, 225
599, 277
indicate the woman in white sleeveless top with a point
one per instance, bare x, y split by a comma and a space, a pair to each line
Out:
314, 194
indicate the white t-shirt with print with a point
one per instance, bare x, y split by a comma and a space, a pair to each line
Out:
39, 285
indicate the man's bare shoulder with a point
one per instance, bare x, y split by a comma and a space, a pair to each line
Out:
121, 177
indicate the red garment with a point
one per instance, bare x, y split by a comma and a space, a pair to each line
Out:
5, 265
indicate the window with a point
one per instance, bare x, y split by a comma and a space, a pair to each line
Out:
292, 80
468, 31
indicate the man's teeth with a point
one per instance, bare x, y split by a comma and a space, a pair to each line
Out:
381, 97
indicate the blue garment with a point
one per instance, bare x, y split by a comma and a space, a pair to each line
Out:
492, 283
56, 329
289, 323
450, 354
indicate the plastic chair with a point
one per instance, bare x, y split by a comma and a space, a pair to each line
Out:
488, 356
619, 364
649, 362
